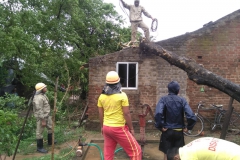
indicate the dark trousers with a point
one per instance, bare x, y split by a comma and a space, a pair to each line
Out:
171, 138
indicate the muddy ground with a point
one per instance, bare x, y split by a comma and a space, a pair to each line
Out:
150, 151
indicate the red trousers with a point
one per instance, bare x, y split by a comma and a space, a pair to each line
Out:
121, 136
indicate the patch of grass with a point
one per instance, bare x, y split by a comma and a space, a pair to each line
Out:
27, 146
66, 153
62, 135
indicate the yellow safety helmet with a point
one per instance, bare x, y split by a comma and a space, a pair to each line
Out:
112, 77
40, 86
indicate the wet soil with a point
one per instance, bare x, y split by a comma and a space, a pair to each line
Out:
150, 149
150, 152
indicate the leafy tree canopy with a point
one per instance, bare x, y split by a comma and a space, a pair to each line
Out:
44, 39
51, 38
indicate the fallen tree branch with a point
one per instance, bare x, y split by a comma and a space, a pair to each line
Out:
195, 72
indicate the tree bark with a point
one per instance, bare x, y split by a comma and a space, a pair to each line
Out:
227, 118
195, 72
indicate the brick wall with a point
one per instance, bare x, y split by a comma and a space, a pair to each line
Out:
216, 46
100, 66
154, 74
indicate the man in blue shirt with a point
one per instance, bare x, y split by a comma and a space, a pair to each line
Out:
169, 118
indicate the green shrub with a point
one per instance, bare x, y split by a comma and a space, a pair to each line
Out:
8, 129
12, 102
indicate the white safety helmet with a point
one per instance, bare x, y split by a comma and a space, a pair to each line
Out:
40, 86
112, 77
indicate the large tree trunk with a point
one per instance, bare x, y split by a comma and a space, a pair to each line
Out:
195, 72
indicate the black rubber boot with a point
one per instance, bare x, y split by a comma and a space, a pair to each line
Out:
40, 146
50, 139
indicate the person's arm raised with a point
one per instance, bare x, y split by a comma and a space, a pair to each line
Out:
125, 4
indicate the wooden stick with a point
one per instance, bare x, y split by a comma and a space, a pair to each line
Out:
53, 116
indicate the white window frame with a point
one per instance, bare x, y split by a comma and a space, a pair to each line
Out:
127, 63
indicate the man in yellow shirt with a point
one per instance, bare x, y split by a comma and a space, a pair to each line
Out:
206, 148
115, 120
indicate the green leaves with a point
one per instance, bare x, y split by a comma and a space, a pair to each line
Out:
8, 129
56, 37
11, 101
42, 40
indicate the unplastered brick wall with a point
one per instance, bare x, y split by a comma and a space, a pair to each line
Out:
100, 66
216, 47
154, 74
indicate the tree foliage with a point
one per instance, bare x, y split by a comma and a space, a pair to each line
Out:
8, 129
42, 40
51, 38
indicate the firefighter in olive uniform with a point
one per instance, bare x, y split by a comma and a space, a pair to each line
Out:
41, 110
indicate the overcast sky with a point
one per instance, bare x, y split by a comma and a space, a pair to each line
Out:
176, 17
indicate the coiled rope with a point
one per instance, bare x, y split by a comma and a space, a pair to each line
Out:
154, 25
